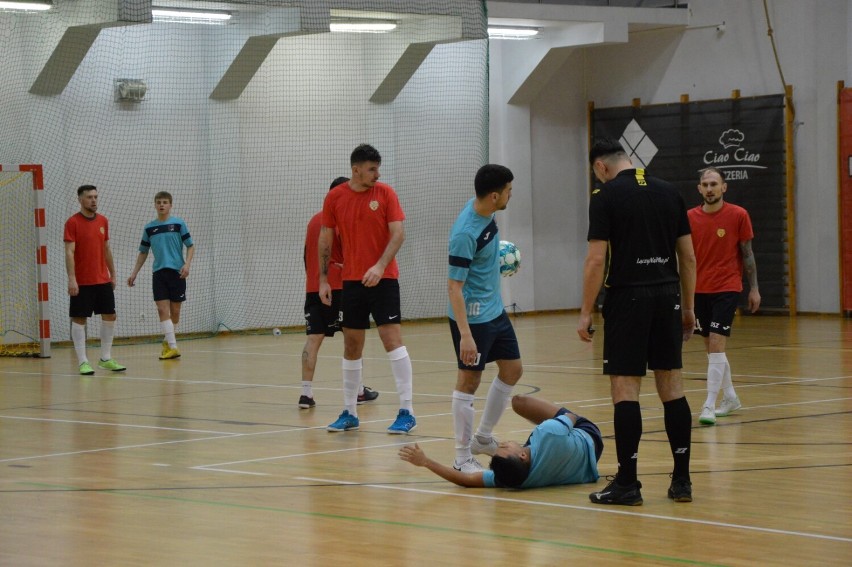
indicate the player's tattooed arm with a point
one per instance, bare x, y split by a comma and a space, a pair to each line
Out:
749, 265
324, 247
750, 268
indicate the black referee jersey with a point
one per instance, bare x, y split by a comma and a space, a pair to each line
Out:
642, 217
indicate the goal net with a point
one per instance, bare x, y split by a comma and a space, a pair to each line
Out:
246, 124
24, 327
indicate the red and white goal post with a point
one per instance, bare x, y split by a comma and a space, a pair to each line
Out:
24, 297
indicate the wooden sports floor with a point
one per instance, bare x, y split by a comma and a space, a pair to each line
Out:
207, 460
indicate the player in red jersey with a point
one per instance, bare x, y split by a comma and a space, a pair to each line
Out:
322, 320
91, 278
722, 235
368, 217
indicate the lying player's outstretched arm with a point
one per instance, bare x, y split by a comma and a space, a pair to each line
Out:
415, 455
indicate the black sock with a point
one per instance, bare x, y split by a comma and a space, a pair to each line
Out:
678, 421
627, 420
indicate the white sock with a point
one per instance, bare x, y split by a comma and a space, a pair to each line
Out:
351, 380
169, 332
728, 383
307, 388
495, 404
715, 373
402, 373
107, 333
78, 335
463, 414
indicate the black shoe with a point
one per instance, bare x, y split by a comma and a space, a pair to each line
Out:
680, 490
614, 493
368, 396
306, 403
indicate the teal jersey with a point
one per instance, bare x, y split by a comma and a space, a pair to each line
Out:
166, 240
475, 260
560, 454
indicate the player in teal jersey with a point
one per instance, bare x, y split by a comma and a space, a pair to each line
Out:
166, 237
480, 328
563, 448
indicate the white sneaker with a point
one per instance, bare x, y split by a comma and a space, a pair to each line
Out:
469, 466
728, 406
479, 448
708, 416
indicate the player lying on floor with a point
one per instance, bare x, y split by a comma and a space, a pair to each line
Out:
563, 448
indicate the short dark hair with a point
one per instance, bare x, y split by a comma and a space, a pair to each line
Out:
509, 472
711, 169
365, 152
490, 178
605, 147
163, 195
83, 188
337, 182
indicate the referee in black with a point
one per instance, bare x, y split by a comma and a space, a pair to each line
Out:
648, 309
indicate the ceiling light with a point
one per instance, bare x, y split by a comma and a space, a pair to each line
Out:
24, 7
363, 26
186, 16
511, 33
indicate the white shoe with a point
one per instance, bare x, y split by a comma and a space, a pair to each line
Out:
708, 416
728, 406
479, 448
469, 466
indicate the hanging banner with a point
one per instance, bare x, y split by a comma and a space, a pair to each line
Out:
744, 138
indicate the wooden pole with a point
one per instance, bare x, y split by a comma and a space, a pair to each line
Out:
790, 117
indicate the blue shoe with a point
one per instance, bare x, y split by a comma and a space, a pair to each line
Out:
346, 422
403, 424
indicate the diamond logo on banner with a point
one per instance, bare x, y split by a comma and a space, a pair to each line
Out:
638, 145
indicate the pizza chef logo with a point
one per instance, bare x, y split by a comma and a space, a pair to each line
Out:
735, 159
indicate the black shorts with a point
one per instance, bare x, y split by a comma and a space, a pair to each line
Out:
495, 340
642, 330
98, 299
588, 427
322, 319
714, 312
381, 301
168, 285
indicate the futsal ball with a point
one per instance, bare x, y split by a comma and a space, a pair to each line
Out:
510, 258
276, 331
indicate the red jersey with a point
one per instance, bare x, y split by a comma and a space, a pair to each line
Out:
89, 237
362, 221
312, 258
716, 238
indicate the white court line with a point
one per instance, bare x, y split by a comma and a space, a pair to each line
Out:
232, 435
232, 471
79, 422
221, 435
330, 452
780, 380
127, 377
103, 449
599, 509
159, 443
213, 466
